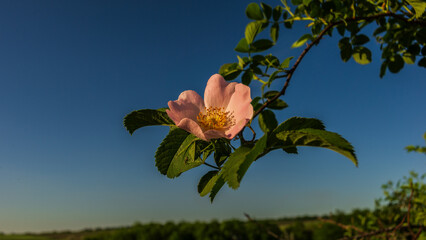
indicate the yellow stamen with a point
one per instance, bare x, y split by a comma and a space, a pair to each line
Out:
215, 118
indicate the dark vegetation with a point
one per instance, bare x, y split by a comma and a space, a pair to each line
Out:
400, 214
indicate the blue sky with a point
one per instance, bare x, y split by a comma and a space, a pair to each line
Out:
71, 70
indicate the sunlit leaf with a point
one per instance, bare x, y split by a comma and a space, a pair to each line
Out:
252, 29
362, 55
302, 40
242, 46
230, 71
240, 160
286, 62
409, 58
204, 181
419, 6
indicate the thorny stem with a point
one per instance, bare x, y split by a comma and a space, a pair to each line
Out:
316, 41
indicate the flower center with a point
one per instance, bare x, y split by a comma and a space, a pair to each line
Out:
215, 118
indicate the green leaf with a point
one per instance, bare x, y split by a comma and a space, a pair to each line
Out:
419, 6
178, 153
230, 71
272, 77
341, 29
278, 104
222, 151
261, 45
168, 148
267, 121
290, 150
409, 58
211, 183
297, 123
276, 14
240, 160
422, 62
345, 49
247, 77
271, 61
396, 63
360, 39
242, 46
205, 180
252, 29
414, 49
146, 117
253, 11
362, 55
270, 94
255, 103
215, 184
286, 62
267, 10
383, 69
316, 138
302, 40
275, 29
241, 62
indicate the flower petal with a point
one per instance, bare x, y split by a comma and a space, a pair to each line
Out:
213, 133
234, 130
188, 105
240, 103
241, 108
218, 92
191, 126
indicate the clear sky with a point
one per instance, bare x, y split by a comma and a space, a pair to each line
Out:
71, 70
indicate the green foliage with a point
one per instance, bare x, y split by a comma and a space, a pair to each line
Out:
419, 7
302, 40
146, 117
230, 71
419, 149
362, 55
267, 121
399, 29
179, 152
253, 11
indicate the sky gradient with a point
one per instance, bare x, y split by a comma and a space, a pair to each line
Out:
71, 70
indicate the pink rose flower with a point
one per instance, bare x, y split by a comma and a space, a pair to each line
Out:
223, 113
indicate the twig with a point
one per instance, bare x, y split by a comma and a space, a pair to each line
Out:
272, 234
418, 234
218, 168
346, 227
254, 133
